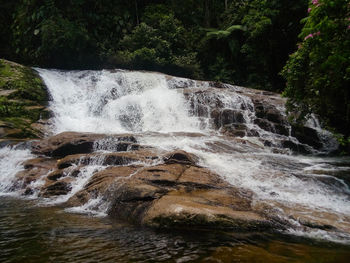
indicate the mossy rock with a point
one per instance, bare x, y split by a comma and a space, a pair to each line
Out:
23, 97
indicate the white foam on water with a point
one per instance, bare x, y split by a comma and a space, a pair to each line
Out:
321, 235
257, 172
158, 111
115, 102
95, 206
77, 183
11, 160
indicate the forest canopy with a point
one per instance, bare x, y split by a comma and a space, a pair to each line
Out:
297, 47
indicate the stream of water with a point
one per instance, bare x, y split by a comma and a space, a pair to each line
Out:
160, 114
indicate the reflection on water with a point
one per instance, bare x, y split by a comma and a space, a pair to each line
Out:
47, 234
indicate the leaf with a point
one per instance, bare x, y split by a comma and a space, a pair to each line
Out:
224, 33
36, 31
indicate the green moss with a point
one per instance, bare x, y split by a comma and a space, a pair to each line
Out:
5, 70
18, 127
24, 106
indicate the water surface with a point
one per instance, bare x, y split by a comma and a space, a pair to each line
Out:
30, 233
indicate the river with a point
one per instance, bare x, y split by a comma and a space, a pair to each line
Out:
164, 113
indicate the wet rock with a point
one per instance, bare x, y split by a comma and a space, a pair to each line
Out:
236, 130
259, 110
100, 182
106, 159
41, 162
229, 116
180, 157
226, 117
34, 169
275, 116
307, 136
119, 158
55, 175
57, 188
216, 116
295, 147
201, 177
28, 191
282, 129
200, 110
264, 124
218, 85
306, 216
179, 195
68, 143
182, 209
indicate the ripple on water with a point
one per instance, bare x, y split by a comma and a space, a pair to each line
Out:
29, 233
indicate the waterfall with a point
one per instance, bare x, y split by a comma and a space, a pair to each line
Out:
116, 102
171, 113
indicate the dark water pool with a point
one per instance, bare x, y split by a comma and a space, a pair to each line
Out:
29, 233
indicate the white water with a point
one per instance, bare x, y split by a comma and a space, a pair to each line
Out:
10, 164
105, 102
161, 115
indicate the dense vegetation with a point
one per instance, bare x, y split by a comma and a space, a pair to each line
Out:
245, 42
239, 41
318, 73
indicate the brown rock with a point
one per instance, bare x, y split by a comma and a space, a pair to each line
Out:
61, 187
34, 169
180, 157
183, 209
120, 158
307, 217
307, 135
100, 183
201, 177
182, 195
68, 143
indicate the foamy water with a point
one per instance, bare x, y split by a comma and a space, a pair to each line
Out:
11, 160
161, 115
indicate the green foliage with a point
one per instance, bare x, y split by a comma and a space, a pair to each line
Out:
254, 39
10, 108
68, 33
246, 42
22, 99
238, 41
7, 8
318, 73
159, 44
218, 34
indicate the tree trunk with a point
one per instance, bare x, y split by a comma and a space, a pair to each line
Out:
207, 13
137, 13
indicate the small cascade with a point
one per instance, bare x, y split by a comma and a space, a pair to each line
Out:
128, 121
11, 163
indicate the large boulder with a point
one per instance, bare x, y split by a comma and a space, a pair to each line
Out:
183, 195
144, 186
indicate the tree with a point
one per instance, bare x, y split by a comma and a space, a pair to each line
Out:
158, 43
253, 56
318, 73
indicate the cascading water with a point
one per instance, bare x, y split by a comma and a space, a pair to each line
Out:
173, 113
105, 102
11, 163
